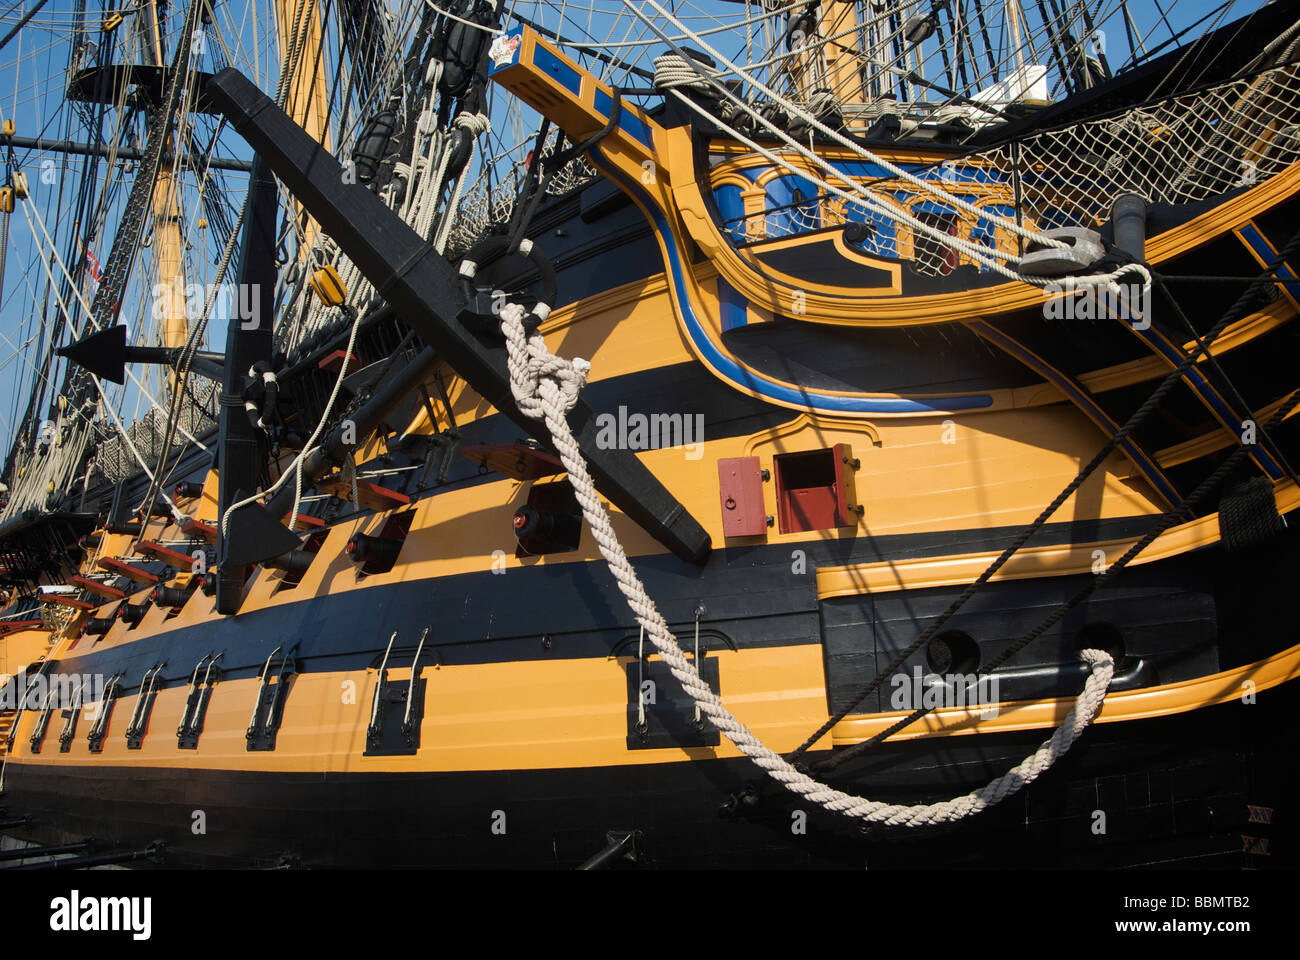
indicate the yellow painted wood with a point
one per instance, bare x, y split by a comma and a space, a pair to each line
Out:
1120, 706
1029, 562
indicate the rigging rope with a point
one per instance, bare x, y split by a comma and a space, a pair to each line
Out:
1167, 520
814, 123
295, 468
70, 462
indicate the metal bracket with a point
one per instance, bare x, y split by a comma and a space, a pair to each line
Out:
619, 844
99, 726
1085, 250
385, 735
70, 721
196, 705
21, 697
268, 708
143, 705
38, 732
660, 713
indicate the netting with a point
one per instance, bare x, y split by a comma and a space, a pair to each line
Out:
1180, 150
486, 203
115, 460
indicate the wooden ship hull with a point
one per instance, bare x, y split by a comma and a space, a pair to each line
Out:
417, 684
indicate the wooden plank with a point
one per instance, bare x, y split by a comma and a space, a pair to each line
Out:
64, 600
197, 528
130, 572
334, 361
97, 588
307, 522
173, 558
517, 460
371, 495
14, 626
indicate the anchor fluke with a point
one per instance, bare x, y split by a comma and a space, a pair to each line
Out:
255, 535
103, 353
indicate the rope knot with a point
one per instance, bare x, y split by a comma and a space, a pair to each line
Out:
538, 378
475, 123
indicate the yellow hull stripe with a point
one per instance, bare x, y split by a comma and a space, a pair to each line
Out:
566, 714
1144, 704
1058, 560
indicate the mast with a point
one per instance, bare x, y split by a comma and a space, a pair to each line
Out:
1015, 17
169, 260
300, 38
841, 30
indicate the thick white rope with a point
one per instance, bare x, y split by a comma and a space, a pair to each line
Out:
546, 387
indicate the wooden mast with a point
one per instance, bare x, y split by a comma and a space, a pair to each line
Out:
168, 253
824, 51
841, 29
299, 34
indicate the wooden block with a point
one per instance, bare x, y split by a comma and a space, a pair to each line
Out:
67, 601
14, 626
372, 495
197, 528
335, 361
306, 522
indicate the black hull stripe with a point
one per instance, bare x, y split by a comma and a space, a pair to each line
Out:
487, 617
1188, 801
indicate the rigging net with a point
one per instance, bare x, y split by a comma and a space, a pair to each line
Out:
1180, 150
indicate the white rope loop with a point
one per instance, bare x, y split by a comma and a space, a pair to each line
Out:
531, 364
546, 387
673, 71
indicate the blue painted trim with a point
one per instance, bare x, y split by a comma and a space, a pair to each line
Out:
1260, 244
1082, 399
628, 121
1228, 417
735, 373
733, 307
564, 74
